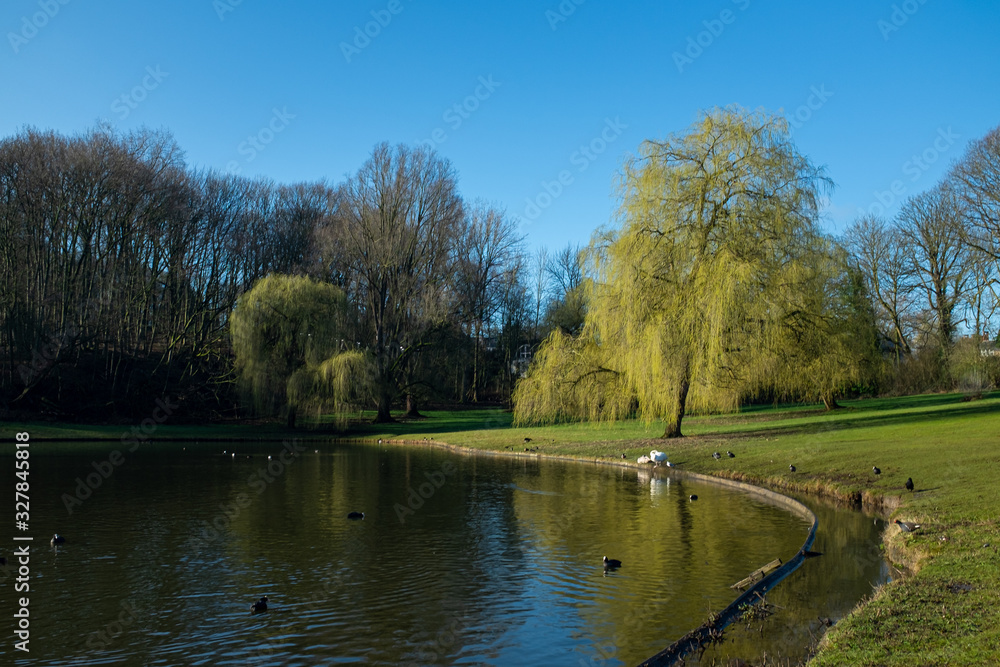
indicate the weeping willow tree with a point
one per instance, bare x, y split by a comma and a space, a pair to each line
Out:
288, 339
705, 289
830, 338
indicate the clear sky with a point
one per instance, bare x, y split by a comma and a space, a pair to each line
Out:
883, 93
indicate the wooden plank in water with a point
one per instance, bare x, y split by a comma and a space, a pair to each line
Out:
758, 574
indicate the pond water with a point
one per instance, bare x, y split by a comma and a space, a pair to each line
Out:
458, 560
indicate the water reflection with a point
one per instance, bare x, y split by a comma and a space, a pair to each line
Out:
459, 559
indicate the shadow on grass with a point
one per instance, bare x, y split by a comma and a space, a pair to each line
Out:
436, 423
876, 413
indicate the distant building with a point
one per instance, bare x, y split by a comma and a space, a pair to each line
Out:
522, 361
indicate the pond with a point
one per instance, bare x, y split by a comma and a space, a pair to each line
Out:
458, 560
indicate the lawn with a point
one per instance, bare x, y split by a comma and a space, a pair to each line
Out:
946, 614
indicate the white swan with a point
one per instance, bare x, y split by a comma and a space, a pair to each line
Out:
643, 459
657, 456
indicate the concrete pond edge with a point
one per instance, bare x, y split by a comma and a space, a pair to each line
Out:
703, 633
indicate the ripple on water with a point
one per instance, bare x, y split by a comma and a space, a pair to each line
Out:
501, 564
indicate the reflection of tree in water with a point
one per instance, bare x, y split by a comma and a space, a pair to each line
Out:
685, 525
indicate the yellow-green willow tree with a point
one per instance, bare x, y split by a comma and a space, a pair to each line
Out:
715, 285
288, 339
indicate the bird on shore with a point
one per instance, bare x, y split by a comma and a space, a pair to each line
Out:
643, 459
876, 471
671, 465
791, 468
356, 515
716, 456
527, 440
57, 539
259, 605
730, 454
623, 455
692, 497
909, 484
908, 526
611, 563
657, 456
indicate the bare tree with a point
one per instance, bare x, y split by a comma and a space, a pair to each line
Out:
487, 250
880, 252
932, 225
400, 215
541, 285
565, 271
977, 180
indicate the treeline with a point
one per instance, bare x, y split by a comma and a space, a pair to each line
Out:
120, 267
932, 273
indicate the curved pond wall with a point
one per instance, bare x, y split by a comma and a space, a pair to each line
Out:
702, 634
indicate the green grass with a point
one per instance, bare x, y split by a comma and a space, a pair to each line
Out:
946, 614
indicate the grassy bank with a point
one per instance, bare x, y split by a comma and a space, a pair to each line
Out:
947, 614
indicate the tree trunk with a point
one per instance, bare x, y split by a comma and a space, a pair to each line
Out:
673, 429
830, 401
411, 408
383, 416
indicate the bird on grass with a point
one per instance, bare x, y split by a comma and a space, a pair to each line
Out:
356, 515
643, 459
692, 497
623, 455
611, 563
730, 454
908, 526
657, 456
876, 471
716, 456
259, 605
57, 539
909, 484
791, 468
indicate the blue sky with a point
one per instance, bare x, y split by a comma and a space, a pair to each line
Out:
551, 95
